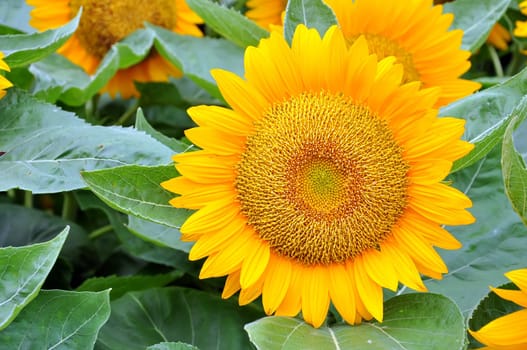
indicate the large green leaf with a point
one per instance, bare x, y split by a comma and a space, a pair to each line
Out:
23, 271
23, 49
59, 320
136, 190
47, 148
230, 23
493, 245
15, 14
58, 78
120, 285
197, 56
476, 18
487, 114
513, 166
411, 322
24, 226
313, 13
141, 319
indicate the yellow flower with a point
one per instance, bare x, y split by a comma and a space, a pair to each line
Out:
499, 37
266, 12
4, 83
508, 332
323, 182
105, 22
521, 26
416, 33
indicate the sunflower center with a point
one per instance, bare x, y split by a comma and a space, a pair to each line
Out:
321, 179
105, 22
384, 47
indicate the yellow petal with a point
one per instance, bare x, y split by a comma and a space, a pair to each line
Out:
315, 295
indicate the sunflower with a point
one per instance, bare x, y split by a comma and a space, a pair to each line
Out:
499, 37
266, 12
508, 332
4, 83
416, 33
521, 26
105, 22
323, 182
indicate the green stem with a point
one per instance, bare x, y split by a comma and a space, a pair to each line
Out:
69, 207
495, 61
129, 112
28, 199
100, 231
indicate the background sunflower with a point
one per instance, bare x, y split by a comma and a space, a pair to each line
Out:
103, 23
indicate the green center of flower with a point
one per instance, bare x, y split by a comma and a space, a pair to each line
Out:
321, 179
322, 183
105, 22
384, 47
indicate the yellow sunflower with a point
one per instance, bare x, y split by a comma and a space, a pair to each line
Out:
4, 83
416, 33
499, 37
105, 22
521, 26
323, 182
266, 12
508, 332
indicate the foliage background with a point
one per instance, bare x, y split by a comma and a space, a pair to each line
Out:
90, 253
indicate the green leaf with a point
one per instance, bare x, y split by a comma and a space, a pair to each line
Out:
158, 234
58, 78
24, 226
23, 271
513, 165
490, 308
172, 346
313, 13
230, 23
487, 114
23, 49
44, 153
136, 246
15, 14
141, 319
411, 322
59, 320
141, 124
493, 245
476, 19
197, 56
136, 190
120, 285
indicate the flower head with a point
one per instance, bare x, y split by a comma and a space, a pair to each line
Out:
417, 34
521, 26
508, 332
4, 83
105, 22
323, 182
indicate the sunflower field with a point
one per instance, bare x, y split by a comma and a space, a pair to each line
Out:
251, 174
